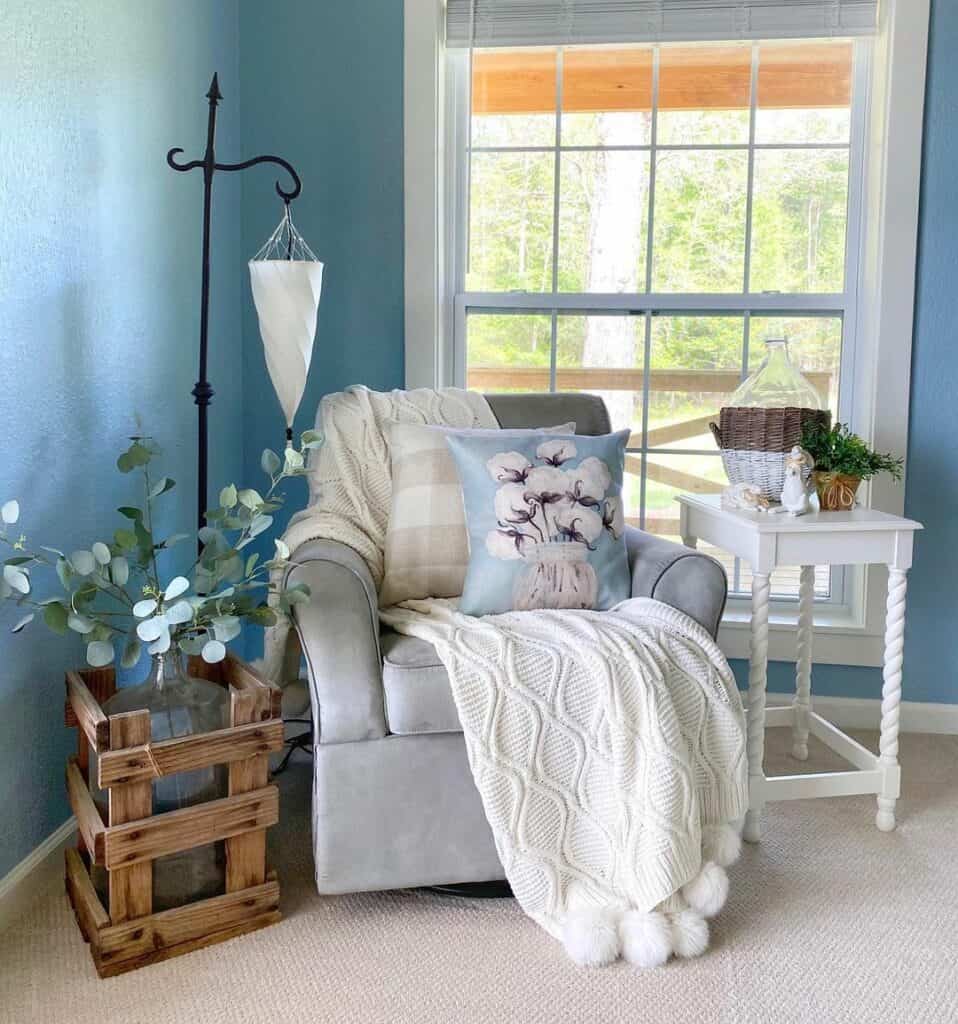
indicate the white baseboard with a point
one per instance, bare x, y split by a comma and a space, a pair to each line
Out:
864, 713
34, 874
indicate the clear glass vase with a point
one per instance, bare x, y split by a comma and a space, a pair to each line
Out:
558, 575
776, 384
179, 705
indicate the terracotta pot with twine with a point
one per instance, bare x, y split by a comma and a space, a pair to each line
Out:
836, 491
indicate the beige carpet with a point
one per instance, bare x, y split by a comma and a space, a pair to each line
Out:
828, 921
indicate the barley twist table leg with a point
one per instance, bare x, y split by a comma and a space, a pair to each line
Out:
891, 689
803, 674
757, 678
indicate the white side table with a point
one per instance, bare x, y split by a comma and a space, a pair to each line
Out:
767, 542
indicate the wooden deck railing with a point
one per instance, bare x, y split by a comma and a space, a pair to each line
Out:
591, 378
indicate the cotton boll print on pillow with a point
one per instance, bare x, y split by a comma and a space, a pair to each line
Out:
545, 521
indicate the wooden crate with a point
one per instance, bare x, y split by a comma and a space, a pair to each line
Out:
130, 935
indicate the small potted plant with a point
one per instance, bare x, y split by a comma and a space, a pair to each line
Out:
842, 461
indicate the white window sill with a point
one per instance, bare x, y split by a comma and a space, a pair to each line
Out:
839, 638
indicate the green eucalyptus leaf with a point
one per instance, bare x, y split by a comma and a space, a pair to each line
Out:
251, 563
99, 653
213, 651
161, 486
125, 539
228, 496
129, 512
250, 498
226, 627
310, 439
212, 540
139, 454
80, 623
131, 652
17, 579
263, 616
83, 562
294, 461
232, 569
144, 539
192, 644
173, 539
64, 573
270, 462
55, 616
124, 463
119, 570
18, 560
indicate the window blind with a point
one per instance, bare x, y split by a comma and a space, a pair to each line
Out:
566, 22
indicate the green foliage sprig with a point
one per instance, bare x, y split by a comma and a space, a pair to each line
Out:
116, 589
838, 450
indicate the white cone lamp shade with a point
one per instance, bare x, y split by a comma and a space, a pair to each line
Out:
286, 294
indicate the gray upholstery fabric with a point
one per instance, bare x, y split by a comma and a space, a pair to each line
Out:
339, 633
394, 804
418, 697
546, 409
686, 579
398, 812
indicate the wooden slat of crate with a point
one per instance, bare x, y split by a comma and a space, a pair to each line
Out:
244, 677
131, 888
89, 823
82, 710
110, 969
187, 753
90, 915
246, 854
185, 924
174, 831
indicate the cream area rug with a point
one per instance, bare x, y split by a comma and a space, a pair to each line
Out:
828, 922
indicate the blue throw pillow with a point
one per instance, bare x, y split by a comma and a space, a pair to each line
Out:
545, 521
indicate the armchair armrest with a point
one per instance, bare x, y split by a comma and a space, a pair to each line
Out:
678, 576
339, 634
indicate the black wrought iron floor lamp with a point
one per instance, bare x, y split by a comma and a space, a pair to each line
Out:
202, 391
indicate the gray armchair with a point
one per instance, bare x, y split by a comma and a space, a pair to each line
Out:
394, 804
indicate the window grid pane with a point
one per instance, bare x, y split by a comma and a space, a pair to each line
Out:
759, 178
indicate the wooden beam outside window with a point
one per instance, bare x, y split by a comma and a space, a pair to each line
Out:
791, 75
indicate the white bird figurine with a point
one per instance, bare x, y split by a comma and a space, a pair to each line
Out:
798, 492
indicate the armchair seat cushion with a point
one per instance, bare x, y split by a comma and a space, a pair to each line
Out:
416, 687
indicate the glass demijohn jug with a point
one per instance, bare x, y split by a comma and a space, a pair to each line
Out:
776, 384
179, 705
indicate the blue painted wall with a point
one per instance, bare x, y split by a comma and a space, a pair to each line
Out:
322, 85
99, 296
931, 636
100, 273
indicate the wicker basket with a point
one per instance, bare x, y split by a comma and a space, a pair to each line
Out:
754, 443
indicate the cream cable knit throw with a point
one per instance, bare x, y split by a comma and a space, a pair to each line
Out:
608, 747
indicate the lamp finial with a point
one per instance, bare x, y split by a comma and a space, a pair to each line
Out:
214, 95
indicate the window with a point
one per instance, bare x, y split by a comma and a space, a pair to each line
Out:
635, 220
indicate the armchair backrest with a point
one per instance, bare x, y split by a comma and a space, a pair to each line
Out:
546, 409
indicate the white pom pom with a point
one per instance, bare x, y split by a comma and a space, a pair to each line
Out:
690, 933
708, 891
721, 843
646, 938
591, 937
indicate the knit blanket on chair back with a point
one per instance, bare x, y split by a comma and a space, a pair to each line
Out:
608, 748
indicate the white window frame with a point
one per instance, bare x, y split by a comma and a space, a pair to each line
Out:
884, 263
